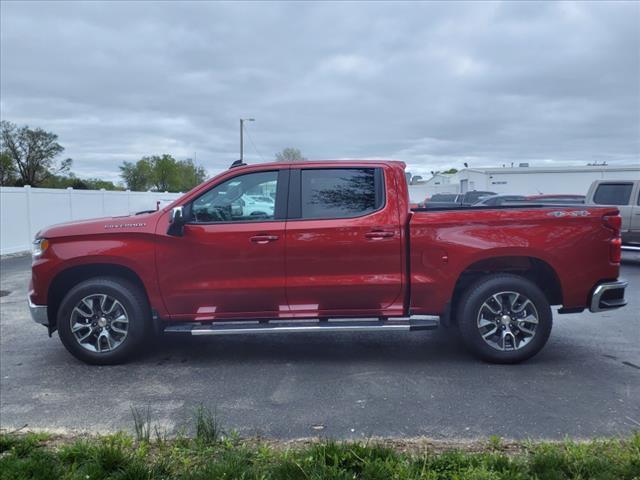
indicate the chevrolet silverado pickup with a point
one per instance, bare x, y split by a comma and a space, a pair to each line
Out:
338, 250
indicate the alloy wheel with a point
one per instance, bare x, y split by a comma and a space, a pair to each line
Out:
99, 323
507, 321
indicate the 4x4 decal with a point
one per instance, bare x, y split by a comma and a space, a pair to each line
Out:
574, 213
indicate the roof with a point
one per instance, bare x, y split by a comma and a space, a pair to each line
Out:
324, 163
563, 169
440, 174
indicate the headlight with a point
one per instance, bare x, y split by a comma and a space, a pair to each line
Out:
39, 246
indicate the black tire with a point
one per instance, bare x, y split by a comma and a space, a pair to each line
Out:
130, 296
471, 303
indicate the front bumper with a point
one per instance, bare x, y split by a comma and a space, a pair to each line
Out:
39, 313
608, 295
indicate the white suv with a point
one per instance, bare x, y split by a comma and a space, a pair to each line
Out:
257, 205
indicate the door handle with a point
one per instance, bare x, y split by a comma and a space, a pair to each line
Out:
262, 239
377, 234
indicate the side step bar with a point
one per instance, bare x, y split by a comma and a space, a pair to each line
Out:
631, 248
414, 323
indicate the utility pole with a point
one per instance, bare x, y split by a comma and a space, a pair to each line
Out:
242, 120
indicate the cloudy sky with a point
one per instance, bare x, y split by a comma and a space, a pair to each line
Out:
432, 84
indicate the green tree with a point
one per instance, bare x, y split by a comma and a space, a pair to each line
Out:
97, 184
289, 155
190, 175
7, 170
64, 181
451, 170
70, 180
137, 176
162, 173
33, 152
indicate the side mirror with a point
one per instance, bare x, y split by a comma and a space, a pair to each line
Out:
176, 222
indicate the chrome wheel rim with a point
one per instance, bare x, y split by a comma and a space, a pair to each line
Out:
99, 323
507, 321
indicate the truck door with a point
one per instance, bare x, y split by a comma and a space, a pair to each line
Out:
343, 242
230, 261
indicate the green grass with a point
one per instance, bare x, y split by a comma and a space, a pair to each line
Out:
214, 454
142, 423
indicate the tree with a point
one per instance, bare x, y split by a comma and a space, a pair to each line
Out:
289, 155
162, 173
64, 181
97, 184
32, 152
451, 171
190, 175
137, 176
7, 170
70, 180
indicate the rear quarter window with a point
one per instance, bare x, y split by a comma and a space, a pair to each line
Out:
613, 194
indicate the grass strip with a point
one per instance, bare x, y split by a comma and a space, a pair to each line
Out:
121, 457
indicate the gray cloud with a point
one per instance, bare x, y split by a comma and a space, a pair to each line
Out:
432, 84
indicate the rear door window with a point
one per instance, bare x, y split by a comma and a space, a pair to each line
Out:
613, 194
340, 192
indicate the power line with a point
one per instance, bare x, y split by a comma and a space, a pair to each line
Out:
254, 145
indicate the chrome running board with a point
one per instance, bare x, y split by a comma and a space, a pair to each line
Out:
417, 322
630, 248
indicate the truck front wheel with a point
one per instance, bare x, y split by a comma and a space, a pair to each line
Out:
504, 318
103, 320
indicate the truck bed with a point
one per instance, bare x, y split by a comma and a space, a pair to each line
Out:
448, 243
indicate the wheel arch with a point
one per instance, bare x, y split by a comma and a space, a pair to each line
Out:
70, 277
534, 269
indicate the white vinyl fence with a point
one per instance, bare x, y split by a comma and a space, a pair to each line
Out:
25, 210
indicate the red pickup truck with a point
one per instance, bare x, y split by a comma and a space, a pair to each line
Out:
323, 246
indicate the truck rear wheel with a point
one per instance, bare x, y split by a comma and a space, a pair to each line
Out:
504, 318
103, 320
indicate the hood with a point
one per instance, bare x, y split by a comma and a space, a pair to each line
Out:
142, 223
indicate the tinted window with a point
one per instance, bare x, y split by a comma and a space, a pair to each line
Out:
638, 198
339, 192
444, 197
502, 200
613, 194
472, 197
560, 200
513, 198
245, 198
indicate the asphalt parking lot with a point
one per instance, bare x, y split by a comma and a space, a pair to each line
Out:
585, 383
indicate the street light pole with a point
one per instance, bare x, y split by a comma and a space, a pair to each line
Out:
242, 120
